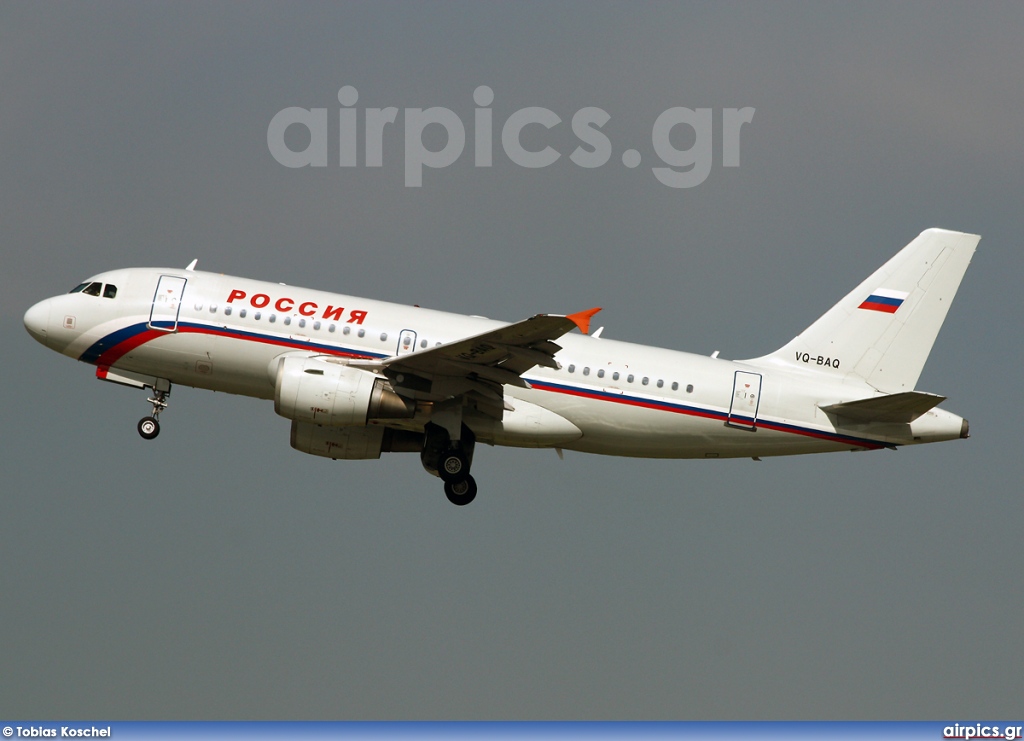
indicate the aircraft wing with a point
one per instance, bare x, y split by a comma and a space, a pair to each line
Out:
480, 365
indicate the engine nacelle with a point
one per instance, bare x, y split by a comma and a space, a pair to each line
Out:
350, 443
353, 443
335, 395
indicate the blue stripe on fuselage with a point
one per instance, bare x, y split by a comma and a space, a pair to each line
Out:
695, 411
126, 334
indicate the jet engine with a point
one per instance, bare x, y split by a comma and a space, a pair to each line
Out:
335, 395
353, 443
349, 443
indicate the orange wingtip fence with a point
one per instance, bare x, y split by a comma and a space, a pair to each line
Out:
582, 319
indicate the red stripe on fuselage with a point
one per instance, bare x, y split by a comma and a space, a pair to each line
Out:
111, 355
692, 412
277, 341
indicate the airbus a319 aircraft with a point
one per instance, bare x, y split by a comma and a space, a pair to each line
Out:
358, 377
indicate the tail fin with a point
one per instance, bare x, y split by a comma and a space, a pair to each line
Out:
884, 329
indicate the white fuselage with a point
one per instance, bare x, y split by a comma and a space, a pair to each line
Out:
626, 399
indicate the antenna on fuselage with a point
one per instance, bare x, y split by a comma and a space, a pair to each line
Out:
192, 265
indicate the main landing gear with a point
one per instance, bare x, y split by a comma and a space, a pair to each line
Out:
451, 461
461, 492
149, 427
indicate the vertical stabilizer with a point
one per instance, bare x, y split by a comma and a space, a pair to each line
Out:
883, 330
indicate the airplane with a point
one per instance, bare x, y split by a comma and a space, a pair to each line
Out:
358, 377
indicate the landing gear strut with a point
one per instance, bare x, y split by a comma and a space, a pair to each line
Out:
149, 427
451, 460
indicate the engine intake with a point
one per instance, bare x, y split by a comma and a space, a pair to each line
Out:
319, 392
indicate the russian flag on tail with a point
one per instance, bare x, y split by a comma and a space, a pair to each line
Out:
885, 300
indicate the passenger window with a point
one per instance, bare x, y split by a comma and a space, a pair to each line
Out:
287, 321
629, 378
199, 306
93, 289
362, 333
241, 313
316, 325
273, 318
423, 343
330, 328
213, 308
346, 330
302, 323
227, 311
572, 368
615, 376
109, 291
660, 383
600, 372
383, 336
256, 316
689, 388
675, 385
586, 371
644, 382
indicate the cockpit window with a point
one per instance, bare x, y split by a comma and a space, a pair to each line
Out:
93, 289
109, 290
79, 287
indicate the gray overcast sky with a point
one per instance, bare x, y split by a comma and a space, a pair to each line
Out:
216, 573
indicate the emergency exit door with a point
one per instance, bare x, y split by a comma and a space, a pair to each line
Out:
406, 342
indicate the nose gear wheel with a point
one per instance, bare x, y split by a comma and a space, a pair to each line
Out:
149, 427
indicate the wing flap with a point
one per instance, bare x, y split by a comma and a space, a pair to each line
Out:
496, 373
487, 361
515, 348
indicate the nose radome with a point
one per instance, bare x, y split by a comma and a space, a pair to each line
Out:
37, 319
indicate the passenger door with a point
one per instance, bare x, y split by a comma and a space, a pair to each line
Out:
167, 303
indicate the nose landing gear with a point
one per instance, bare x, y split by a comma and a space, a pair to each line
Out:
149, 427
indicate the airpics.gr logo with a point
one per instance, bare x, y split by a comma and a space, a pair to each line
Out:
679, 168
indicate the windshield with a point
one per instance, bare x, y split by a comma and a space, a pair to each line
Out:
94, 288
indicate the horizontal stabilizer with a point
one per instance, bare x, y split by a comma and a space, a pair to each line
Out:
903, 407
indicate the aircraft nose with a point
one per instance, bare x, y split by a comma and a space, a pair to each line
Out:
37, 320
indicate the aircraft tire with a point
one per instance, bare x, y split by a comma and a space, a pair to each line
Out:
149, 428
453, 466
461, 493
